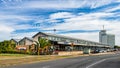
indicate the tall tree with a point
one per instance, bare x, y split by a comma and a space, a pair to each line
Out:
7, 46
41, 44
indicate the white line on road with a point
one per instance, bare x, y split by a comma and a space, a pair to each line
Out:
90, 66
95, 63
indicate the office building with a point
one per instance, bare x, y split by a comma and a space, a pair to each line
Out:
105, 38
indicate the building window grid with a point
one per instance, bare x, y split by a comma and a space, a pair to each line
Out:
71, 40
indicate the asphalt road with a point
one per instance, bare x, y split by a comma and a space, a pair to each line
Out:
101, 61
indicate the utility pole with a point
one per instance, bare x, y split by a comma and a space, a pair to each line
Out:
72, 45
103, 27
54, 30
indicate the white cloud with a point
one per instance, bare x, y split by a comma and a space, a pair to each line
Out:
5, 32
4, 28
51, 4
21, 35
7, 28
8, 16
83, 22
113, 8
4, 36
98, 3
86, 36
91, 21
78, 21
14, 21
61, 4
57, 4
59, 15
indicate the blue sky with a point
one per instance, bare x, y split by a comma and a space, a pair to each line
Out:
76, 18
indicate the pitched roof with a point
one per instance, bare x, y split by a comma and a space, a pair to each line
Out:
49, 34
31, 39
16, 40
38, 34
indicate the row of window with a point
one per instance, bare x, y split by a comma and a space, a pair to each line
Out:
61, 39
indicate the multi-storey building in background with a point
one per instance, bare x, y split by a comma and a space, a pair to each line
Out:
105, 38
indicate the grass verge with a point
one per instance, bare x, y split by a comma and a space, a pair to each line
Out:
16, 59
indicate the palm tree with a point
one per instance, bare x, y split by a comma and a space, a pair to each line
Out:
41, 44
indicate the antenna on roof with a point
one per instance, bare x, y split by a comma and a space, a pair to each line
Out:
54, 30
103, 27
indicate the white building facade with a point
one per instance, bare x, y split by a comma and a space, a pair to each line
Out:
105, 38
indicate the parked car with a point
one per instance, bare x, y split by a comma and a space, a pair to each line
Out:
96, 51
102, 51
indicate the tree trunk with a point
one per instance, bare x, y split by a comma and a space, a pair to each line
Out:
38, 51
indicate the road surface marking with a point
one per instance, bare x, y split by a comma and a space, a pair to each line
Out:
90, 66
95, 63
